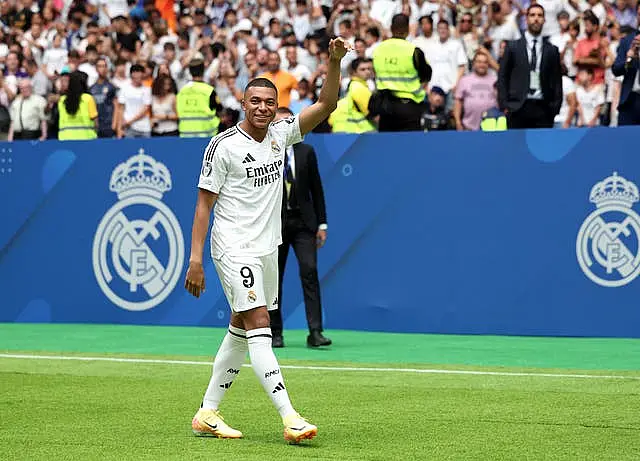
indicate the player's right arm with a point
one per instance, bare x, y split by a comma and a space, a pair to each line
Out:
212, 177
194, 282
313, 115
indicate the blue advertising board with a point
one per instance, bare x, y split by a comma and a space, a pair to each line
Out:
527, 232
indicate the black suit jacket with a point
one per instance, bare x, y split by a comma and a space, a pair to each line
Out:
630, 71
513, 76
309, 191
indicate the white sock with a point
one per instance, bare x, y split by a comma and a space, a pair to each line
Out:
226, 366
266, 367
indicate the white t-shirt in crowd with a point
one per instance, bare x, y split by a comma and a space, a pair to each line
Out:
567, 88
589, 100
134, 100
247, 176
508, 30
551, 10
55, 59
90, 70
114, 8
444, 59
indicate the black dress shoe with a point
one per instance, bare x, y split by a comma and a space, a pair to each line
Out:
316, 339
277, 341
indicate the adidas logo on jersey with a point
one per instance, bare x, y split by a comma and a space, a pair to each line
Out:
248, 159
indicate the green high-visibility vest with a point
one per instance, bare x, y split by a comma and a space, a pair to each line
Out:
77, 126
196, 119
347, 118
393, 63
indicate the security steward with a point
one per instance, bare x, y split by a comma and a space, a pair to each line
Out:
401, 70
352, 113
197, 104
78, 113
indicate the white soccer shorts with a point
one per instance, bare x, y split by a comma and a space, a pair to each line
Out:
249, 281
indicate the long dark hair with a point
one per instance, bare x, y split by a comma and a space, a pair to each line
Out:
157, 88
77, 86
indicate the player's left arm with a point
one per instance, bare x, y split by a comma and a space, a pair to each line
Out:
313, 115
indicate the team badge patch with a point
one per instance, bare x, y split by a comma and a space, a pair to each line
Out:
275, 147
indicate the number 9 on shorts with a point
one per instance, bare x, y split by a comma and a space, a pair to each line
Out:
249, 282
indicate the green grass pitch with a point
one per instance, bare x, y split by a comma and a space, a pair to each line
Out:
53, 409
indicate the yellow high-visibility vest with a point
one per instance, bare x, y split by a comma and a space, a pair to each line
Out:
347, 118
393, 63
195, 117
79, 125
493, 120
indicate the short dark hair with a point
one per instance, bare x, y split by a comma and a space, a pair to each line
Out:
575, 25
591, 17
400, 24
373, 31
426, 17
136, 68
284, 110
356, 62
197, 70
537, 5
261, 82
443, 21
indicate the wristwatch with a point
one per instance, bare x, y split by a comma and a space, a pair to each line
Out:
323, 227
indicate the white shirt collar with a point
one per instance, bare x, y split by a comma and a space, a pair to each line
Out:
529, 38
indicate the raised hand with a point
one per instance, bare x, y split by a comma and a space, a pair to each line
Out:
338, 48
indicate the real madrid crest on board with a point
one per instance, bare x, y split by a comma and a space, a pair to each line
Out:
608, 244
138, 249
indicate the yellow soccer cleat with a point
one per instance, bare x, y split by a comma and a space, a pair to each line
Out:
209, 423
296, 428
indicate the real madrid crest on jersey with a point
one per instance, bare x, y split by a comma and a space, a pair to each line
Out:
608, 244
138, 249
275, 147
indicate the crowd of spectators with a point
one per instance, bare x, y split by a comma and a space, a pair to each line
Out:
136, 54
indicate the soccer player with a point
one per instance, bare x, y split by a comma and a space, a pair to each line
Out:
242, 174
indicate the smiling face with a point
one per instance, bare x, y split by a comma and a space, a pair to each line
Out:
259, 105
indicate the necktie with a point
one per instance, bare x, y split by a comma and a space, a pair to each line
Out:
534, 56
288, 178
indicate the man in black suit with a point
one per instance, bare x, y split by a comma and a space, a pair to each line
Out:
305, 229
530, 77
627, 63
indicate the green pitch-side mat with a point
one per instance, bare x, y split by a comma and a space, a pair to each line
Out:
349, 346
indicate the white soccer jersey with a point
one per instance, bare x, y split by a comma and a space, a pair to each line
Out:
247, 176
